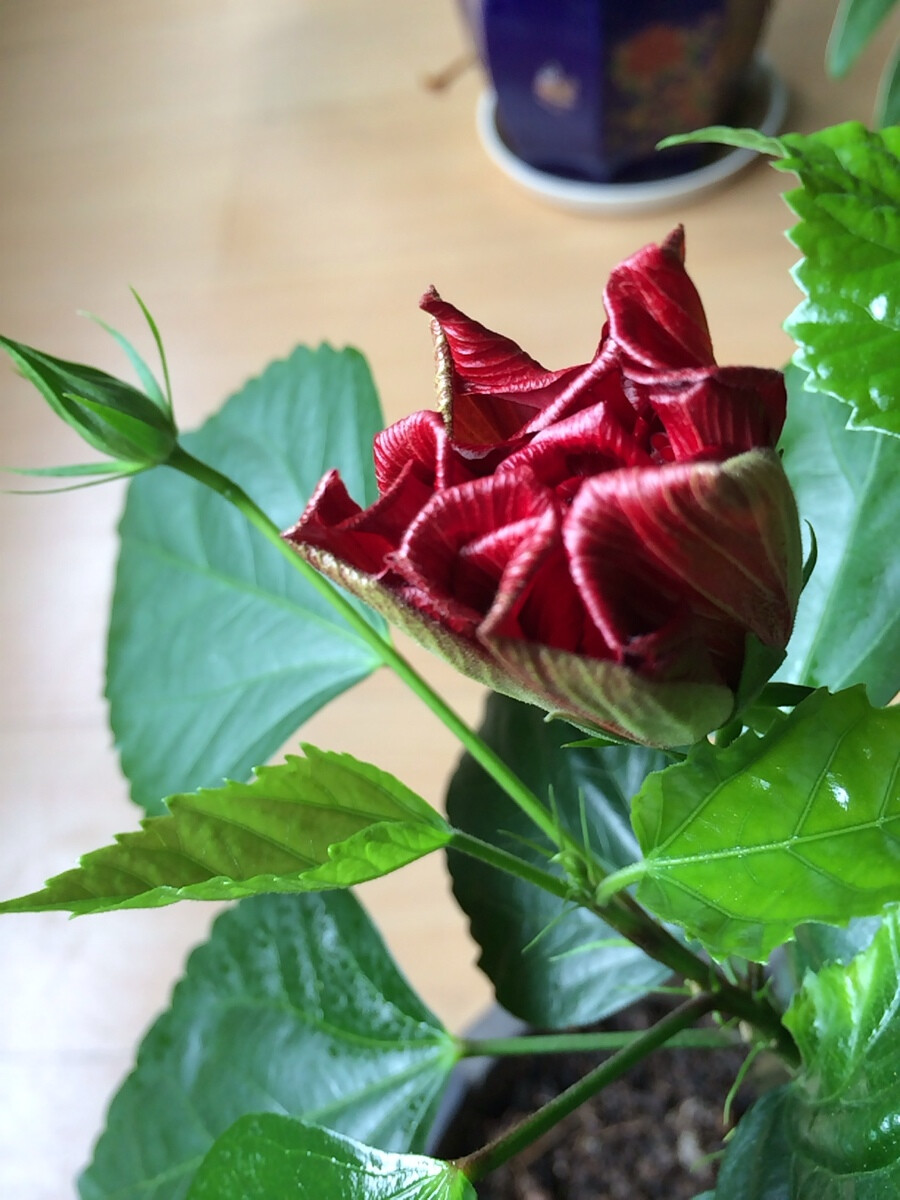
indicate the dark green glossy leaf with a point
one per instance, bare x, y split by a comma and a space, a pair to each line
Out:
834, 1132
848, 622
218, 651
323, 821
847, 329
757, 1164
293, 1006
855, 23
746, 843
551, 963
273, 1158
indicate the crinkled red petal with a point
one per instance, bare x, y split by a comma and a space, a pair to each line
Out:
495, 387
458, 546
647, 546
334, 522
420, 438
537, 600
719, 411
655, 314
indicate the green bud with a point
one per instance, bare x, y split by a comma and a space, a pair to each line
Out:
112, 416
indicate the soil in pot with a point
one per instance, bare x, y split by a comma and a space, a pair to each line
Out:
652, 1135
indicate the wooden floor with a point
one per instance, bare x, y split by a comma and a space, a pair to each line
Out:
265, 173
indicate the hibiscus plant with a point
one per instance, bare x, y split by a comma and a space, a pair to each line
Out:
679, 582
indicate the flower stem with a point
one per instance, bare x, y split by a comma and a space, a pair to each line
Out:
627, 917
180, 460
475, 1166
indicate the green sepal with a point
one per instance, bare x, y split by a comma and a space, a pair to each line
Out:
146, 378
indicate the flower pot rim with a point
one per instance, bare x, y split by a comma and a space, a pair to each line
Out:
626, 199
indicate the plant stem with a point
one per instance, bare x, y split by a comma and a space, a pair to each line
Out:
622, 913
180, 460
577, 1043
465, 843
475, 1166
627, 917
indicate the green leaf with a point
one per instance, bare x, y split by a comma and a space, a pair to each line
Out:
847, 329
834, 1132
292, 1006
551, 963
727, 135
855, 23
887, 104
109, 414
848, 622
846, 1022
270, 1158
757, 1163
322, 821
218, 651
744, 844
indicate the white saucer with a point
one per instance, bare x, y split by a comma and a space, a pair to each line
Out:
765, 109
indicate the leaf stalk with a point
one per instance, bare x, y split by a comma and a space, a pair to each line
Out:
478, 1164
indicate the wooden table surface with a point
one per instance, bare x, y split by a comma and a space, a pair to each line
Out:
264, 173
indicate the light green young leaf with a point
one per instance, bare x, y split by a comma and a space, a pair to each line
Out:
856, 22
293, 1006
834, 1132
848, 621
323, 821
217, 650
270, 1158
551, 964
847, 329
744, 844
727, 135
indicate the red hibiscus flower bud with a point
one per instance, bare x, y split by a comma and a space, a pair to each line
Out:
605, 541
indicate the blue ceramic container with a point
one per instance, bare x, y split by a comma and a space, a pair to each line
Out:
585, 88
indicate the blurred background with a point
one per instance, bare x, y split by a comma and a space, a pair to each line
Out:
265, 173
